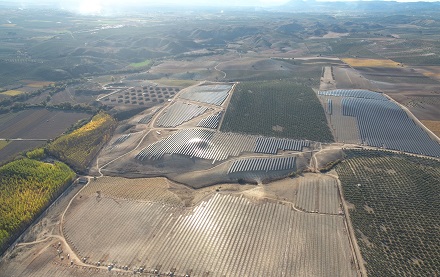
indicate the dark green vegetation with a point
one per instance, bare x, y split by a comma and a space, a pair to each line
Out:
277, 108
396, 214
79, 147
26, 188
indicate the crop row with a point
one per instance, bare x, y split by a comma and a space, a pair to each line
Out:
318, 195
395, 212
278, 108
79, 147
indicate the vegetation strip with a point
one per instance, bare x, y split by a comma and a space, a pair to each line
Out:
80, 147
26, 188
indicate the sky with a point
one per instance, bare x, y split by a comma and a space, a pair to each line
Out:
97, 4
100, 6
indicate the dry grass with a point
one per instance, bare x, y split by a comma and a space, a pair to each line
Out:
174, 82
370, 62
12, 92
39, 84
432, 125
3, 143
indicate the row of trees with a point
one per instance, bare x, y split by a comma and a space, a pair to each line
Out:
279, 108
79, 147
396, 211
19, 102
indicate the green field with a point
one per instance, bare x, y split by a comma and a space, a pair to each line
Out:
278, 108
145, 63
79, 147
396, 213
26, 187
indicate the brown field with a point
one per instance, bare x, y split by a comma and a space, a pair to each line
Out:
39, 84
432, 125
354, 62
349, 78
432, 72
15, 147
174, 82
37, 123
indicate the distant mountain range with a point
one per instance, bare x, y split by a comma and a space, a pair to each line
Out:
359, 6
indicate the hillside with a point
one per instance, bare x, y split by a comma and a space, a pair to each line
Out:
79, 147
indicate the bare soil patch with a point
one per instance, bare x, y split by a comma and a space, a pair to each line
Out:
38, 123
432, 125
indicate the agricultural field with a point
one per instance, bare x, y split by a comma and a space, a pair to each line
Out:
12, 92
33, 127
281, 108
12, 149
318, 195
394, 210
80, 147
37, 123
26, 188
370, 62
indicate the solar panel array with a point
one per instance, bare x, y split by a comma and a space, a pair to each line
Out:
262, 164
272, 145
212, 145
146, 119
179, 113
211, 121
329, 106
122, 138
118, 141
201, 143
356, 93
385, 124
211, 94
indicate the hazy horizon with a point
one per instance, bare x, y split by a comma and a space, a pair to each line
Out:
101, 7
